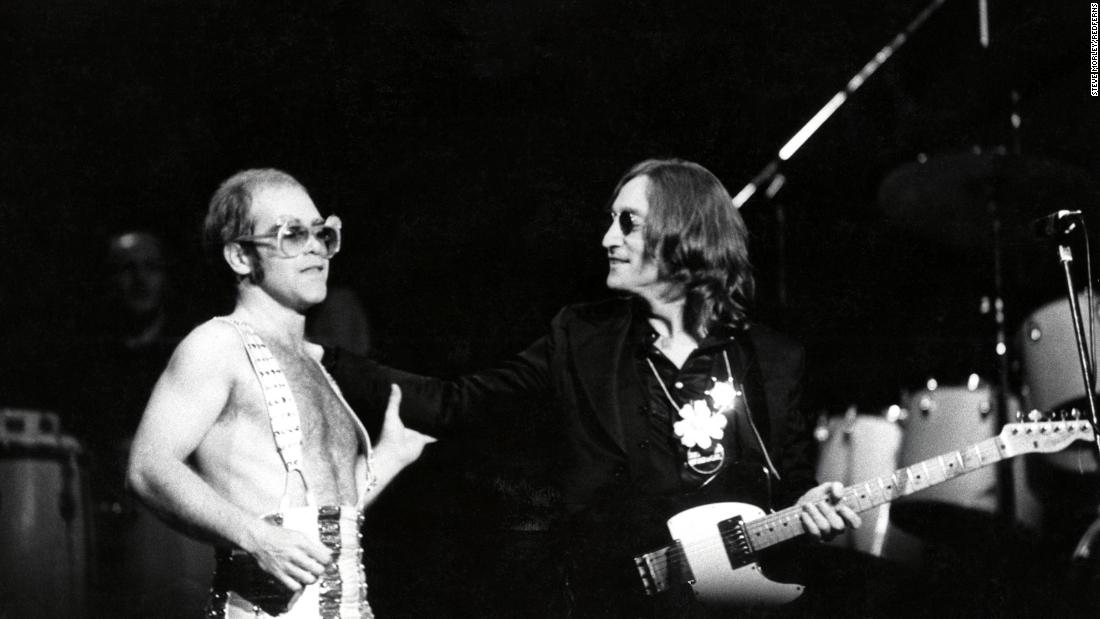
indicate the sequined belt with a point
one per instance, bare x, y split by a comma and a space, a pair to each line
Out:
241, 589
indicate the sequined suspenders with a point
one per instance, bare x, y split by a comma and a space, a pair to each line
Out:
282, 411
286, 429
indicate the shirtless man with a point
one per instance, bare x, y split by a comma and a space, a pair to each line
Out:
278, 487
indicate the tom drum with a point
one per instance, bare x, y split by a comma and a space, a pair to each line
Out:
856, 448
1052, 374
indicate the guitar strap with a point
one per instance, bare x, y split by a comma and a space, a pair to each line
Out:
756, 401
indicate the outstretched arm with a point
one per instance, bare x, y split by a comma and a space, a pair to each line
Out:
441, 407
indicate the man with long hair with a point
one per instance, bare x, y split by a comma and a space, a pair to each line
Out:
667, 396
246, 443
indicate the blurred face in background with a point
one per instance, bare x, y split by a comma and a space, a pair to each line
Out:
137, 273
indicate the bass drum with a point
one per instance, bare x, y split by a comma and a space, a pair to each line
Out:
856, 448
43, 518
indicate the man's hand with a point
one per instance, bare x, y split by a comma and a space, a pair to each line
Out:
291, 557
396, 441
823, 515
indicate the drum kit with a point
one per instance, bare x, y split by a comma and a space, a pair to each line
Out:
983, 203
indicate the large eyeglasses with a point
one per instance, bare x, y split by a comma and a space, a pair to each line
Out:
628, 222
292, 237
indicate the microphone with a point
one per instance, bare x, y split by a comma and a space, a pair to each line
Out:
1056, 224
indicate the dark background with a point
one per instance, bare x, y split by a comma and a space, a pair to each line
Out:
470, 148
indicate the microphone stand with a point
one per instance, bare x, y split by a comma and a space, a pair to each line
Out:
1084, 547
791, 147
1006, 489
770, 177
1065, 255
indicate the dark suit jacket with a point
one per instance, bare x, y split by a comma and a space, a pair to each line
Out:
585, 366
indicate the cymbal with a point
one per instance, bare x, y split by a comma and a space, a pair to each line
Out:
952, 198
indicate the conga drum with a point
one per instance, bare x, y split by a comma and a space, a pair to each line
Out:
43, 518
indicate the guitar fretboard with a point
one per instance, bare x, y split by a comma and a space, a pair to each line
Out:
787, 523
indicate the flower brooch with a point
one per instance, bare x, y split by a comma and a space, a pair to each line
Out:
702, 426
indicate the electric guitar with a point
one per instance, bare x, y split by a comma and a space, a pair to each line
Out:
716, 544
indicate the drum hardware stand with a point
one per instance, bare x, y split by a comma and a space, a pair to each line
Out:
1006, 490
1006, 483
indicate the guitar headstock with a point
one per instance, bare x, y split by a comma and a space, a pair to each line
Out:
1043, 436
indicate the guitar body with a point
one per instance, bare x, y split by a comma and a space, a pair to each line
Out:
717, 582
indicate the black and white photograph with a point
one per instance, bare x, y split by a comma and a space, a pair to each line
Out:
549, 309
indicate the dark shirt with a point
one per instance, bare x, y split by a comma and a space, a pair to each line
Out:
660, 457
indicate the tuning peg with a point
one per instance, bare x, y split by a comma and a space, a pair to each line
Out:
1035, 415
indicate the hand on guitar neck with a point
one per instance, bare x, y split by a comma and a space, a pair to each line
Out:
824, 514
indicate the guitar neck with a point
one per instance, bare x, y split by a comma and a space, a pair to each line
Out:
787, 523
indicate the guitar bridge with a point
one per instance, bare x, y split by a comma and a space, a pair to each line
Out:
663, 568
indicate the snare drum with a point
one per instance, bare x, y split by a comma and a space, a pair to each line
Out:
43, 522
